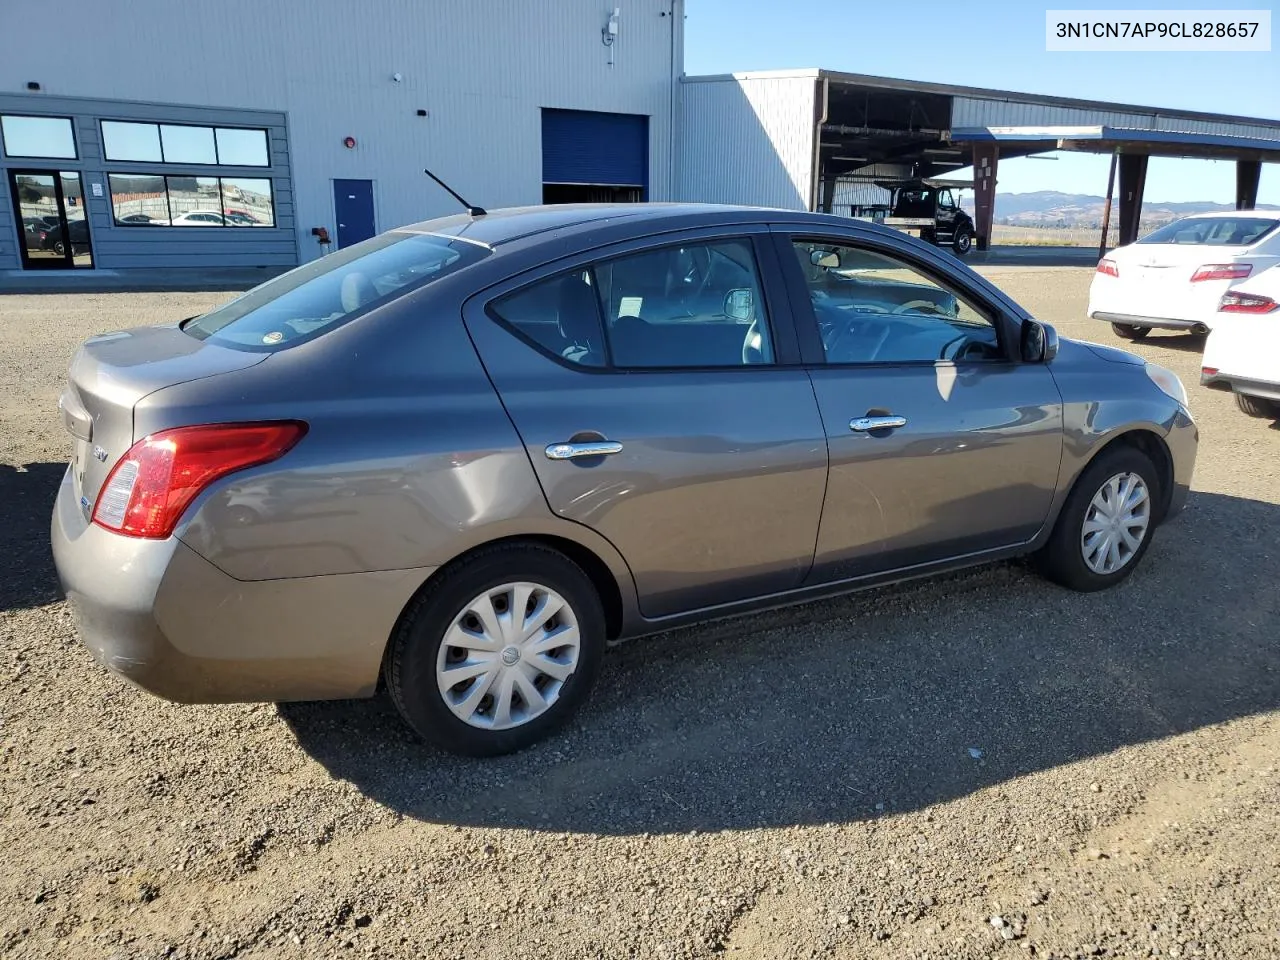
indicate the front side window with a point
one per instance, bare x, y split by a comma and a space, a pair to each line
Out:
691, 305
308, 302
945, 199
49, 137
872, 308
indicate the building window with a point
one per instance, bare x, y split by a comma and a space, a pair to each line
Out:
152, 200
184, 143
187, 145
40, 137
241, 148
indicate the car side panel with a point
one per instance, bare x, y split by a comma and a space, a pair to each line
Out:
1102, 402
409, 461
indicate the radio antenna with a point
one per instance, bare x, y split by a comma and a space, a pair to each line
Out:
473, 211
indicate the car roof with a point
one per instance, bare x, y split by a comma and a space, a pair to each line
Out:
1257, 214
497, 227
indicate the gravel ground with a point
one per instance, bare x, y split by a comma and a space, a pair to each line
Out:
975, 766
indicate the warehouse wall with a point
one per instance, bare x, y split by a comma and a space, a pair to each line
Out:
483, 69
748, 139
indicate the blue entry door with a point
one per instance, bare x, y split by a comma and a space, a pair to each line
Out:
353, 209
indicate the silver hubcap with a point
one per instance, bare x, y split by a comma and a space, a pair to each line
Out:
1115, 523
506, 656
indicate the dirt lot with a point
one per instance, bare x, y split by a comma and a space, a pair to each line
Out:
979, 766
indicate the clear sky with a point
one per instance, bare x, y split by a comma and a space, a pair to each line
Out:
1001, 43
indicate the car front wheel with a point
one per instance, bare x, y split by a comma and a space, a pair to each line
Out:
498, 651
1127, 331
962, 241
1106, 523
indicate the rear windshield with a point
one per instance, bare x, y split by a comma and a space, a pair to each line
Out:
1225, 231
306, 303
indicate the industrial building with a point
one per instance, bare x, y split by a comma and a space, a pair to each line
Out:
182, 140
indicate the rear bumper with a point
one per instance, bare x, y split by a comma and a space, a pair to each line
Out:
1156, 323
1249, 387
163, 617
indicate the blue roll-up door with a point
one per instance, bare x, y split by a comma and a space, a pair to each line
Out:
580, 146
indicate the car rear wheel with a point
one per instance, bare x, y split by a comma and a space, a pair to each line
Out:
498, 651
59, 248
1258, 406
1106, 523
1127, 331
962, 241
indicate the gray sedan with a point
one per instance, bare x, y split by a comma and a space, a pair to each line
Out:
463, 457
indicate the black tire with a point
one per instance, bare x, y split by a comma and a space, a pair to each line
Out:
59, 248
1062, 558
1127, 331
1258, 406
410, 665
962, 242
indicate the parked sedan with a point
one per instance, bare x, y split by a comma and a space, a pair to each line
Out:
1242, 353
1172, 278
75, 233
199, 218
464, 456
34, 231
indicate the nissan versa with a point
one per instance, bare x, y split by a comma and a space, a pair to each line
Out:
463, 456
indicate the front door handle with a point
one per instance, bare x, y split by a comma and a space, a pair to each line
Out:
574, 451
867, 424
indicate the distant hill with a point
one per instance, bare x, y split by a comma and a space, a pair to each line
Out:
1052, 208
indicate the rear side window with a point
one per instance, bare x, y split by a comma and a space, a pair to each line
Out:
1225, 231
698, 305
306, 303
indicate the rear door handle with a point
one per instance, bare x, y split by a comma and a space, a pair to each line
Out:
867, 424
574, 451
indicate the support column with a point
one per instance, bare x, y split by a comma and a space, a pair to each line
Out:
1247, 174
1133, 180
828, 194
985, 158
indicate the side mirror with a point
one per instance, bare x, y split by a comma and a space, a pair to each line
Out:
825, 258
1039, 342
739, 305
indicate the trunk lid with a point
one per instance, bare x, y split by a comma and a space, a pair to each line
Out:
110, 373
1155, 278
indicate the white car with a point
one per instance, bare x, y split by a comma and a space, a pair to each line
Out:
1173, 278
199, 218
1242, 353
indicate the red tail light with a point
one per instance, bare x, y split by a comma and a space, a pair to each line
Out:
1246, 303
1109, 268
1208, 371
147, 491
1222, 271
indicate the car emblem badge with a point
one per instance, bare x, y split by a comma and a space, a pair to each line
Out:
99, 454
275, 336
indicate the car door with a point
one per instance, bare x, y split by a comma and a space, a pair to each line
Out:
946, 214
941, 443
658, 392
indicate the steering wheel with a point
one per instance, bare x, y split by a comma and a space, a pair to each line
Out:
753, 345
842, 333
965, 348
